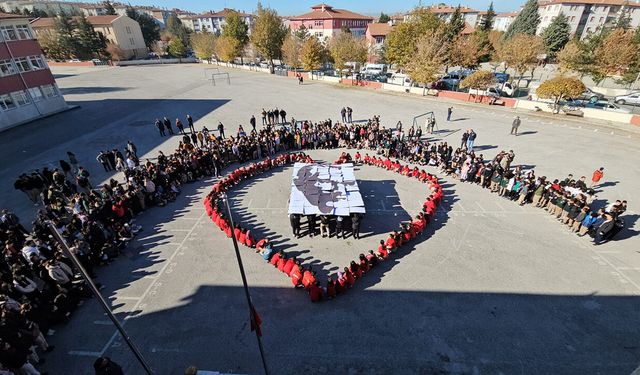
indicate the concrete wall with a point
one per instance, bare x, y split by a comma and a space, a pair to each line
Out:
155, 62
32, 111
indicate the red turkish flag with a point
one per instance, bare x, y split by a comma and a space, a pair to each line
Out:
256, 325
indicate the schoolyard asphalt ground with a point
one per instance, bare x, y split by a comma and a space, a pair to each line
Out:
491, 288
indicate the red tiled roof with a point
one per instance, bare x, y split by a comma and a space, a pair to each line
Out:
511, 14
379, 29
94, 20
438, 9
10, 15
328, 13
590, 2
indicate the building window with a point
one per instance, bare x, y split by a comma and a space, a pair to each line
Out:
318, 35
20, 98
49, 91
128, 30
573, 18
36, 94
24, 32
592, 19
23, 64
37, 62
7, 68
601, 19
132, 41
379, 39
318, 23
6, 102
8, 33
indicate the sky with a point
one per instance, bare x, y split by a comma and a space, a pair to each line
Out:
294, 7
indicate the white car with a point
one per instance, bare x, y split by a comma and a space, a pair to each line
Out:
606, 106
631, 99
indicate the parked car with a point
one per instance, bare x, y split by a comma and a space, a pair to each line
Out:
492, 92
590, 95
400, 79
74, 60
452, 80
631, 99
606, 106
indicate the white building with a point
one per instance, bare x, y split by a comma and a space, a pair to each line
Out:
587, 16
502, 21
471, 16
214, 21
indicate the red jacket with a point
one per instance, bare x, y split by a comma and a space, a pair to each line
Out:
282, 262
289, 266
308, 279
315, 293
296, 275
275, 259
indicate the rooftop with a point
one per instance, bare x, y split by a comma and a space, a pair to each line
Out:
10, 15
326, 12
94, 20
591, 2
221, 14
379, 29
445, 9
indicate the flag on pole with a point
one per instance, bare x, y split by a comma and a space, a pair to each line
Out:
256, 325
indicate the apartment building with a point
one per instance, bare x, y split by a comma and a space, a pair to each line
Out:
502, 21
471, 16
587, 16
214, 21
27, 88
41, 5
325, 21
120, 30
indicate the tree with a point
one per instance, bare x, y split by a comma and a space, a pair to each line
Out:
116, 53
456, 24
302, 33
66, 41
402, 41
526, 22
177, 29
109, 9
345, 29
149, 27
345, 48
90, 43
617, 54
237, 29
624, 20
176, 47
571, 58
429, 59
384, 18
312, 54
487, 22
556, 35
268, 33
521, 53
226, 48
51, 47
469, 51
204, 45
291, 51
480, 80
559, 88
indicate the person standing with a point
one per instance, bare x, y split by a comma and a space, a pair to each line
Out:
283, 116
349, 114
465, 137
515, 125
449, 112
252, 121
471, 139
264, 117
597, 176
221, 130
180, 126
192, 128
167, 125
160, 126
102, 159
343, 114
132, 148
294, 219
73, 161
355, 225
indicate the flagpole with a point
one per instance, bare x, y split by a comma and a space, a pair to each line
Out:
101, 300
252, 312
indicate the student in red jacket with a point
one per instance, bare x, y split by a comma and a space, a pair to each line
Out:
308, 278
355, 270
282, 262
364, 263
383, 252
372, 259
315, 292
331, 288
296, 275
289, 266
350, 280
392, 243
249, 241
275, 259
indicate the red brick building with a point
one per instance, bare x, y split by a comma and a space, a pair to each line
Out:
324, 21
27, 88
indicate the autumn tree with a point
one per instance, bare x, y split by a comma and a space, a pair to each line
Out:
116, 53
226, 48
429, 59
312, 54
572, 58
402, 40
559, 88
521, 53
176, 47
556, 35
268, 33
480, 80
291, 51
526, 22
486, 24
617, 54
204, 45
345, 48
469, 51
237, 29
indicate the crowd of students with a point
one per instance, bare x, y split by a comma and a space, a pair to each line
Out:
303, 276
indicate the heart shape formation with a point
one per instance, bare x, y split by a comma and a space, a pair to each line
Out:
303, 276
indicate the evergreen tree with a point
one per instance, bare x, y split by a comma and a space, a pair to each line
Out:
148, 26
556, 35
66, 43
526, 22
624, 20
384, 18
302, 33
177, 29
456, 24
110, 10
90, 43
237, 29
487, 23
